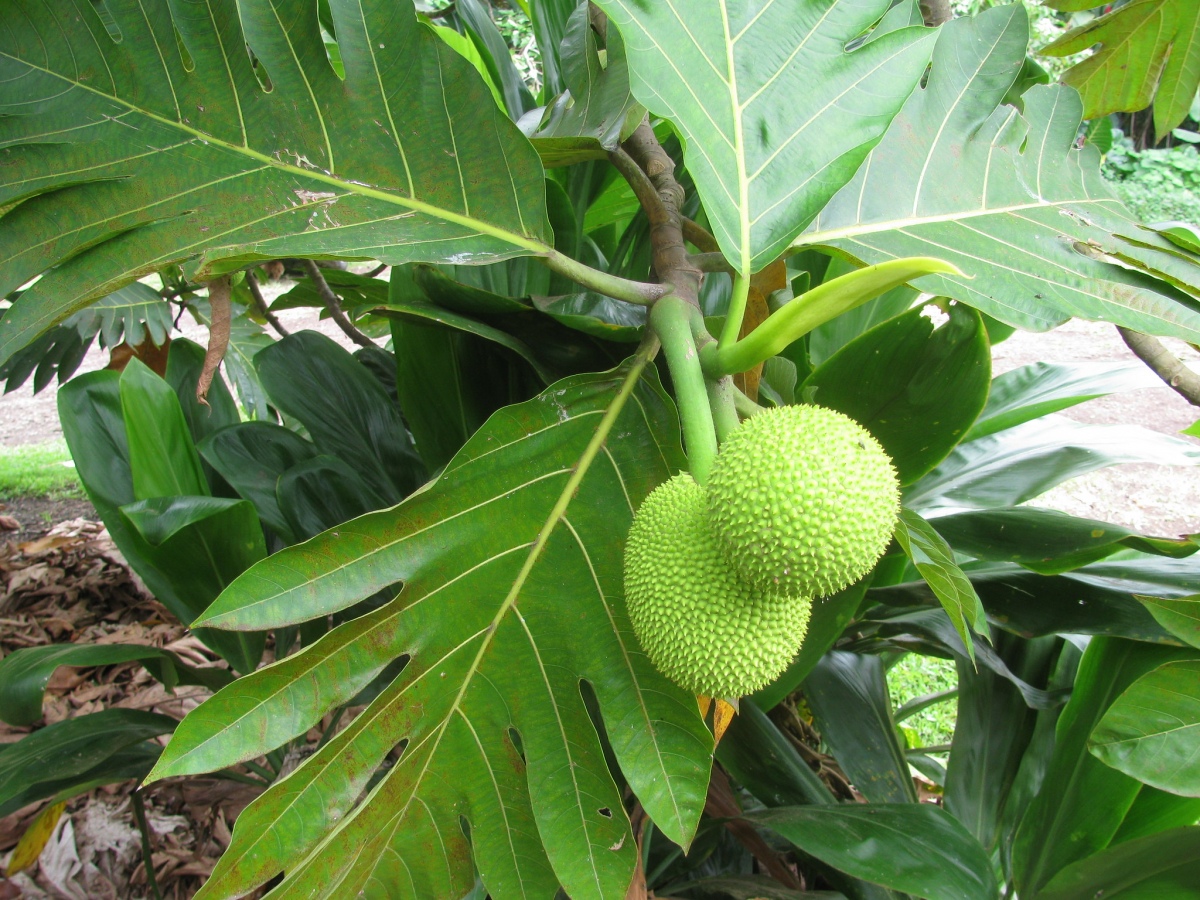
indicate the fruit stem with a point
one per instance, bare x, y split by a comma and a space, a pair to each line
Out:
721, 399
670, 318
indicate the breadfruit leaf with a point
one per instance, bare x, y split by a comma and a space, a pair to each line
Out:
512, 569
776, 114
1008, 199
144, 137
1149, 51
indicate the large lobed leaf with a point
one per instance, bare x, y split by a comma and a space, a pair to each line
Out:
1007, 199
776, 114
507, 558
144, 138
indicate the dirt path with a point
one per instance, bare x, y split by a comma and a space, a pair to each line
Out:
1157, 499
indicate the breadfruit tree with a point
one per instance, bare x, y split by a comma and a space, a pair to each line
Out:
673, 425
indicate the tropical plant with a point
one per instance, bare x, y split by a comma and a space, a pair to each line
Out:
857, 204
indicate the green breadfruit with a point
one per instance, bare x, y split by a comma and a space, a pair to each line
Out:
803, 500
700, 625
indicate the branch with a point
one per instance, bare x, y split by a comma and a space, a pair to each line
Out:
261, 305
614, 286
935, 12
722, 804
643, 187
699, 237
671, 321
329, 298
711, 262
1163, 363
220, 322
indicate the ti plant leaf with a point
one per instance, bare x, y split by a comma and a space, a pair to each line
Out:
1149, 51
934, 559
1026, 216
178, 154
489, 707
763, 91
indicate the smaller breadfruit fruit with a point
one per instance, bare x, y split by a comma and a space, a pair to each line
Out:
803, 500
701, 626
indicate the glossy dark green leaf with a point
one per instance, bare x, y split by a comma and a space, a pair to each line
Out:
25, 673
1164, 866
1047, 541
200, 545
597, 315
1154, 811
993, 728
1082, 801
1020, 463
72, 747
1152, 731
766, 764
747, 88
828, 619
1040, 388
848, 696
477, 17
130, 763
934, 559
322, 492
746, 887
1007, 197
346, 412
913, 847
917, 389
162, 454
185, 360
174, 113
506, 558
1178, 615
251, 457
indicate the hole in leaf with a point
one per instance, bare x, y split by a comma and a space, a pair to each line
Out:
466, 827
106, 18
515, 737
189, 64
260, 72
606, 812
329, 38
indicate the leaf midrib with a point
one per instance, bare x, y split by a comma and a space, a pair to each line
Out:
517, 240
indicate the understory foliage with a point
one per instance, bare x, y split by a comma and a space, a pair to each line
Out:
561, 301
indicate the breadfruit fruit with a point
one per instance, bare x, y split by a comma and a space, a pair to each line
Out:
700, 625
803, 500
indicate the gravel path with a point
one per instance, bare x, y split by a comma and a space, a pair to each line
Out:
1157, 499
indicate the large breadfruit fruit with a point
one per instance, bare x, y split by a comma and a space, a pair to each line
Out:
803, 500
701, 626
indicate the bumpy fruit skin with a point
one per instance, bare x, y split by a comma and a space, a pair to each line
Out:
700, 625
803, 500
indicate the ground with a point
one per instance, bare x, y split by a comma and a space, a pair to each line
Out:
70, 585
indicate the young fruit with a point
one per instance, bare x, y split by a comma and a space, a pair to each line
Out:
701, 626
803, 500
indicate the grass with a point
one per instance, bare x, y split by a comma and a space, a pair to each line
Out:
915, 676
38, 470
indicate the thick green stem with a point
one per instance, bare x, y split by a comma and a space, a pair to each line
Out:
611, 285
671, 320
721, 398
744, 405
737, 311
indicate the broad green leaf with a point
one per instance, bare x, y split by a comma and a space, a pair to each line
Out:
322, 492
934, 559
1047, 541
489, 702
746, 887
1154, 811
596, 110
407, 158
774, 112
915, 388
1152, 730
185, 361
346, 412
1182, 234
25, 673
1082, 801
913, 847
766, 764
596, 314
1178, 615
848, 696
72, 747
476, 18
993, 728
251, 457
132, 314
162, 454
464, 47
1018, 464
1038, 389
1164, 866
828, 619
1007, 198
1148, 50
131, 763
